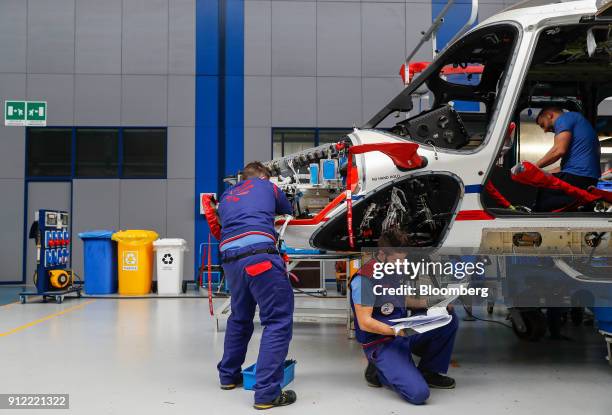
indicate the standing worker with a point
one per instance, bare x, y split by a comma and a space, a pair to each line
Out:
257, 275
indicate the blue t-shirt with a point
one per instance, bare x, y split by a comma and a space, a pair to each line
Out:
584, 152
246, 241
361, 291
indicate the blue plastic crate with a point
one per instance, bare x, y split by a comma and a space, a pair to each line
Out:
216, 277
248, 375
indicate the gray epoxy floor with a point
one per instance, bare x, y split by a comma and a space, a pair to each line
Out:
158, 357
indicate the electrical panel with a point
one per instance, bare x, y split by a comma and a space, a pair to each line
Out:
53, 246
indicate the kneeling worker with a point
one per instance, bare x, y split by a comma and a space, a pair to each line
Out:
389, 354
257, 276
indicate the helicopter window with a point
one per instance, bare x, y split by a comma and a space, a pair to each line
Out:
452, 106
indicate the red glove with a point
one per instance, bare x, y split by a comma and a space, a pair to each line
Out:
210, 213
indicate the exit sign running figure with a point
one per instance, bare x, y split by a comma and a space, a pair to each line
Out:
25, 113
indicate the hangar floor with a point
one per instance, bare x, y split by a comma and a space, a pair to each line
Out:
151, 356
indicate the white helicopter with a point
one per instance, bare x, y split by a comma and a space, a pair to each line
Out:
450, 140
428, 173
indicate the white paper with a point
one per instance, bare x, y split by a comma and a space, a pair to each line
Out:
437, 316
422, 323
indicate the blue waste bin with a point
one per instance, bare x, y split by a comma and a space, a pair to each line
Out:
100, 262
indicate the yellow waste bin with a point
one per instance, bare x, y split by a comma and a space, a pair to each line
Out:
135, 261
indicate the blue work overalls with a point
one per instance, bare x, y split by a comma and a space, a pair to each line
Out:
392, 356
247, 209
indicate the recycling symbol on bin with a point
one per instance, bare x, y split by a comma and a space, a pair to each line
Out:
167, 259
130, 258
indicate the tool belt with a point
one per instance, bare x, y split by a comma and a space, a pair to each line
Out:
232, 258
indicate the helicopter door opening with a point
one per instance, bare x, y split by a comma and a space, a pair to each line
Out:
570, 71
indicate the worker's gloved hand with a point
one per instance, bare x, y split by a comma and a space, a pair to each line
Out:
399, 331
210, 213
518, 168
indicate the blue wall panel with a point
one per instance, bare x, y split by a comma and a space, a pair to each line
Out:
234, 124
234, 37
234, 86
206, 112
207, 37
455, 19
219, 121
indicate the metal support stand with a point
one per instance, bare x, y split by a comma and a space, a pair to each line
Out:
321, 290
312, 310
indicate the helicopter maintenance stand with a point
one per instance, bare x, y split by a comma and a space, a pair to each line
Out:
312, 305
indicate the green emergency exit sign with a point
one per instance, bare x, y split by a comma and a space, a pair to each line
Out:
14, 112
36, 113
25, 113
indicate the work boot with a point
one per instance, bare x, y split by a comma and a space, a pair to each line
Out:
285, 398
438, 381
231, 386
371, 376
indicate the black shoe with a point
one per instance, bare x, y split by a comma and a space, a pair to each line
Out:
437, 381
231, 386
371, 376
285, 398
